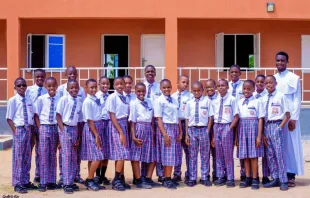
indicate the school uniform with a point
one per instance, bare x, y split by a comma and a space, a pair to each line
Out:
265, 168
141, 113
250, 111
45, 108
212, 149
166, 108
235, 89
62, 91
152, 90
182, 98
198, 112
226, 109
70, 110
33, 92
20, 111
289, 85
275, 107
91, 110
105, 117
116, 103
129, 97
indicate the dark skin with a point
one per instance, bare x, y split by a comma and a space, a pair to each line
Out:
20, 87
150, 74
260, 84
39, 78
281, 64
234, 73
71, 73
128, 85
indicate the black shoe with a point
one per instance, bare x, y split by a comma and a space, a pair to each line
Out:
265, 180
160, 179
36, 180
75, 187
255, 184
191, 183
105, 181
134, 181
283, 186
242, 178
91, 185
230, 183
220, 182
52, 186
143, 185
126, 185
68, 189
20, 189
97, 179
42, 188
272, 183
186, 179
30, 186
245, 183
79, 180
177, 178
175, 182
118, 185
214, 178
60, 184
150, 182
169, 184
205, 182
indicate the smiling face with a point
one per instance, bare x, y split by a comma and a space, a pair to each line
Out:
270, 84
222, 87
182, 83
51, 86
119, 85
247, 89
260, 84
150, 74
71, 73
210, 88
281, 63
166, 87
234, 73
20, 87
128, 85
39, 78
140, 92
73, 89
91, 88
197, 90
104, 85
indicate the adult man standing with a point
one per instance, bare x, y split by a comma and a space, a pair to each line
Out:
289, 85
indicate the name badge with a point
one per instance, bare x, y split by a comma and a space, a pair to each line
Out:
30, 108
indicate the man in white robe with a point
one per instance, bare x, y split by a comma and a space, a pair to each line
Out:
289, 85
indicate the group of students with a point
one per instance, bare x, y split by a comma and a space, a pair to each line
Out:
150, 128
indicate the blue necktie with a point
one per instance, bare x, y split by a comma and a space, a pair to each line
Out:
267, 106
196, 111
245, 102
25, 112
149, 90
221, 110
257, 96
144, 104
97, 101
73, 109
39, 91
123, 99
52, 108
179, 99
169, 99
234, 85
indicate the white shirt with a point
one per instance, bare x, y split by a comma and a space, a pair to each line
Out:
129, 97
239, 93
32, 92
15, 110
155, 91
104, 113
264, 92
42, 108
165, 110
139, 113
64, 108
254, 109
205, 110
90, 109
289, 85
230, 109
62, 91
213, 98
115, 105
185, 97
277, 106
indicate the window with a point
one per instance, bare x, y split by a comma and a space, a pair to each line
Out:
45, 51
240, 49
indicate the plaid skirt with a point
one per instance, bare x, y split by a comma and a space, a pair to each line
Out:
248, 131
105, 138
89, 150
169, 156
116, 150
145, 153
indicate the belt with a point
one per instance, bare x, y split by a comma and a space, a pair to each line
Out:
198, 127
68, 125
273, 121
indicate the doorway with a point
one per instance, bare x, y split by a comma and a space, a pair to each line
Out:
37, 51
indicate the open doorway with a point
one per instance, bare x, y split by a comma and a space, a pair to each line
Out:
115, 54
37, 51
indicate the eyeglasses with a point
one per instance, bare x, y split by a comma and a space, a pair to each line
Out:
21, 85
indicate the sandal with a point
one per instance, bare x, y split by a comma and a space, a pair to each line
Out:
291, 183
117, 185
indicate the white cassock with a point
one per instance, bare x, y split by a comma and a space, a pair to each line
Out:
289, 85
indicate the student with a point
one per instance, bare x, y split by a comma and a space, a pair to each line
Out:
33, 92
102, 95
92, 149
45, 120
199, 118
250, 132
68, 113
142, 132
169, 125
127, 90
19, 116
72, 74
118, 109
212, 95
277, 115
259, 94
225, 120
182, 96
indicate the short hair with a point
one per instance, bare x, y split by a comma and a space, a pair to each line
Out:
165, 80
118, 78
50, 78
182, 76
104, 77
39, 70
260, 76
90, 80
70, 67
72, 81
283, 54
226, 82
127, 76
272, 76
235, 66
150, 66
211, 80
140, 84
198, 83
18, 79
250, 82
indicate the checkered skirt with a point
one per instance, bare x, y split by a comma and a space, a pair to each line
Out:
105, 138
169, 156
116, 150
89, 150
145, 153
248, 131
